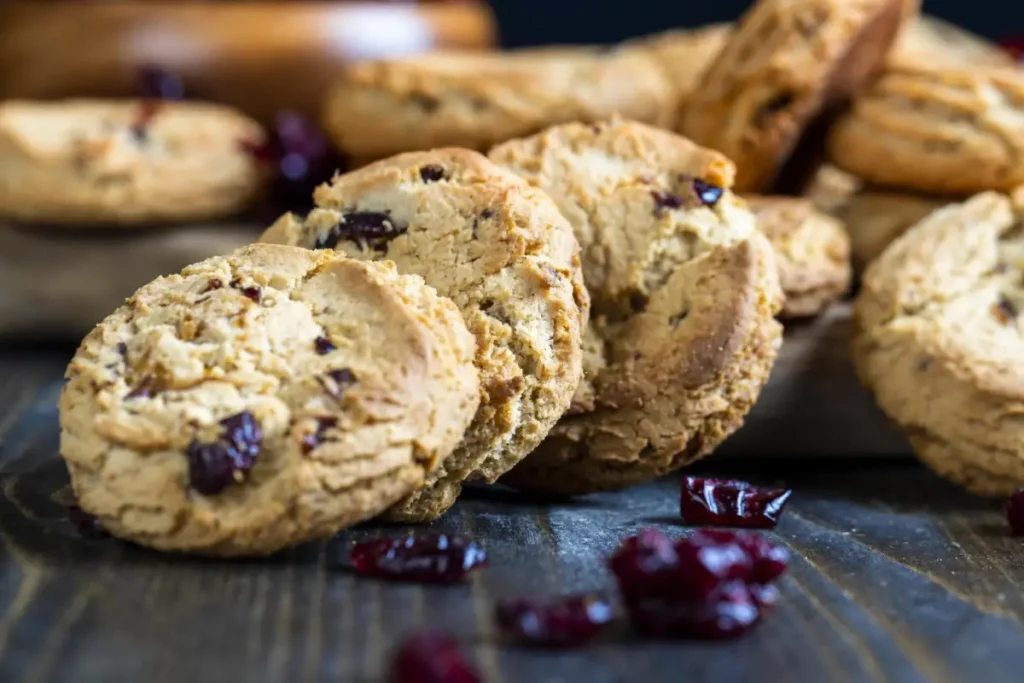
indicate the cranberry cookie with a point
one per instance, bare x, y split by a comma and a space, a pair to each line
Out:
786, 63
941, 131
476, 100
125, 162
940, 338
684, 291
505, 255
812, 252
263, 399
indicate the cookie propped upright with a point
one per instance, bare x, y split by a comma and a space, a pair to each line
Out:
684, 292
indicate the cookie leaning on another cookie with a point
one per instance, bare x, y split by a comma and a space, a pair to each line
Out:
684, 292
787, 62
940, 337
84, 162
812, 252
941, 131
505, 255
474, 100
264, 399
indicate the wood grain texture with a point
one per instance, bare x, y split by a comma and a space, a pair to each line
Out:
898, 577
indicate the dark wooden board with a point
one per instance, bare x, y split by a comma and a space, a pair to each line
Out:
897, 577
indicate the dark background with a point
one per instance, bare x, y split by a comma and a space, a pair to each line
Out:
532, 22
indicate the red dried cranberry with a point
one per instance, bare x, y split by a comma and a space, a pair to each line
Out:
770, 560
431, 173
160, 84
1003, 311
311, 441
1015, 512
431, 658
253, 293
568, 621
730, 502
729, 612
709, 559
86, 524
646, 563
707, 193
430, 558
212, 466
664, 201
145, 388
212, 285
323, 345
334, 382
370, 228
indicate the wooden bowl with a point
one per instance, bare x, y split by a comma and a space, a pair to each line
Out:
261, 57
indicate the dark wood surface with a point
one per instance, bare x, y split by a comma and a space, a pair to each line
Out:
897, 576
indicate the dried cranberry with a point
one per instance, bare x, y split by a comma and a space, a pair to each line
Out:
144, 389
1003, 310
334, 382
251, 292
1015, 512
323, 345
646, 563
86, 524
430, 658
213, 284
730, 611
430, 558
157, 83
302, 157
372, 229
431, 173
568, 621
212, 466
770, 560
664, 201
311, 441
765, 596
730, 502
707, 560
707, 193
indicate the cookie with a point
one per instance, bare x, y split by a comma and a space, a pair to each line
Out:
812, 252
505, 255
684, 291
939, 131
874, 218
786, 63
940, 337
831, 188
476, 100
264, 399
684, 54
930, 41
87, 162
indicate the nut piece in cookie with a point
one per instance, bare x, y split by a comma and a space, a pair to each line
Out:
812, 252
125, 162
504, 254
787, 63
263, 399
940, 338
475, 100
684, 292
941, 131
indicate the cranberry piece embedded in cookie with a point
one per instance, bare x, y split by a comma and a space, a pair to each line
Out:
335, 382
372, 229
664, 201
311, 441
1004, 311
251, 292
323, 345
160, 84
1015, 512
430, 658
566, 621
707, 193
431, 173
212, 466
429, 558
730, 503
86, 524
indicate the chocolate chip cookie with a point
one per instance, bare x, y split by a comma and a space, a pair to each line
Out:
940, 131
812, 252
940, 337
684, 292
476, 100
89, 162
505, 255
786, 63
264, 399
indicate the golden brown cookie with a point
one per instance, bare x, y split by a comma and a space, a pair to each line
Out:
786, 63
941, 131
86, 162
684, 292
264, 399
476, 100
940, 337
505, 255
812, 252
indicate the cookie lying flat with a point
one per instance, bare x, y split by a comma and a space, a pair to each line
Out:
264, 399
812, 252
476, 100
936, 131
684, 292
787, 62
83, 162
940, 338
874, 218
505, 255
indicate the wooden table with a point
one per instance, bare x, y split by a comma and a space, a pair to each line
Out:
897, 576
